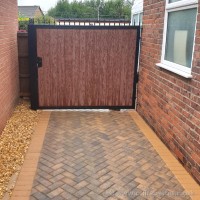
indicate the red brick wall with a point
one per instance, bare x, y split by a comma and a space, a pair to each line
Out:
8, 59
169, 103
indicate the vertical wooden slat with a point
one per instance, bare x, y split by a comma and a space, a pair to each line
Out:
60, 68
68, 59
42, 77
46, 68
82, 69
86, 67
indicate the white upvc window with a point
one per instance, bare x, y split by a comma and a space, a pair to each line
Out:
179, 36
137, 19
137, 12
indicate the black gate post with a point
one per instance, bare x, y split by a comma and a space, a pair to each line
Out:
135, 80
32, 43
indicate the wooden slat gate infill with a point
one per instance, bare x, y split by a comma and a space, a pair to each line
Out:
83, 66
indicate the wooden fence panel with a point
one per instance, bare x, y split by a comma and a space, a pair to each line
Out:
24, 74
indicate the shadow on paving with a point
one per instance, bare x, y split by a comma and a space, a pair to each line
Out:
100, 155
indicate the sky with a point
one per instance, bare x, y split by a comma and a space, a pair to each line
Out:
44, 4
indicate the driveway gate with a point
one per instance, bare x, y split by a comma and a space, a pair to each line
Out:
83, 66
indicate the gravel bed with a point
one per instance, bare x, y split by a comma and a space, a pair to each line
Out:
14, 142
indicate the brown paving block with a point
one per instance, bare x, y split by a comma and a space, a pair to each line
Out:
17, 198
195, 197
25, 178
82, 192
28, 169
35, 148
85, 197
23, 187
37, 140
21, 193
55, 193
32, 164
69, 181
95, 188
32, 156
194, 192
81, 185
94, 195
193, 187
23, 183
27, 173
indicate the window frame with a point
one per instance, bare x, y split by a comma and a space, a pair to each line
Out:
138, 21
137, 9
172, 7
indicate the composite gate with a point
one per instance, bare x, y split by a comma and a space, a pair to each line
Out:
83, 66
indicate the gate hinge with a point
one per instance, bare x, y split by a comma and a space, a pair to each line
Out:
137, 78
39, 62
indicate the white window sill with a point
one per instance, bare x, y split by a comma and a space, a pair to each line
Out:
174, 70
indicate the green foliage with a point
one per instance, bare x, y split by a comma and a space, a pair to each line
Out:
115, 9
44, 20
23, 24
24, 21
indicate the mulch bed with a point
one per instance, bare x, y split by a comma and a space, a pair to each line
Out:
14, 143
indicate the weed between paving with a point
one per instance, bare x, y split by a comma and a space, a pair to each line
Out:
14, 142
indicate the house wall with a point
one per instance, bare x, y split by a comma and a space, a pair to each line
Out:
38, 13
137, 7
169, 103
9, 86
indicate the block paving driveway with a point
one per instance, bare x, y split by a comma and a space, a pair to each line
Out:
100, 155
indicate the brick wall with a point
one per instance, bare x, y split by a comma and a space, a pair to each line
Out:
38, 13
8, 59
169, 103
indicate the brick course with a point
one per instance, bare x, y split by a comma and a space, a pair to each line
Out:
169, 103
9, 88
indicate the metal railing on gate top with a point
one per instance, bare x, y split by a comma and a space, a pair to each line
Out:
23, 25
93, 22
82, 22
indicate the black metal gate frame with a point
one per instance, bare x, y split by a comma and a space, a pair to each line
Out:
32, 42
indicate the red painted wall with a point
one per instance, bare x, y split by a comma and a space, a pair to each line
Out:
169, 103
9, 86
